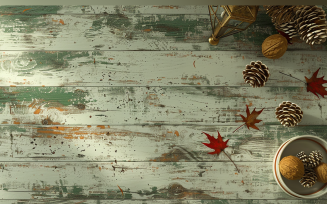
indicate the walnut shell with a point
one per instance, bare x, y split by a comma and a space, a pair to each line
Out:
321, 172
274, 46
291, 168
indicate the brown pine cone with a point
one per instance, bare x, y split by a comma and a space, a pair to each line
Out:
314, 158
256, 74
289, 114
310, 22
283, 18
281, 14
309, 178
304, 158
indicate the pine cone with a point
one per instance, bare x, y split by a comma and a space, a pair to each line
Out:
280, 14
283, 18
288, 28
310, 23
304, 158
314, 158
309, 178
256, 74
289, 114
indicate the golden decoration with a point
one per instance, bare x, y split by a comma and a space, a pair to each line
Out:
228, 20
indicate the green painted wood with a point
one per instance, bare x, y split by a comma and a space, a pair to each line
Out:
110, 9
152, 105
76, 143
129, 32
164, 143
146, 68
177, 201
100, 9
139, 180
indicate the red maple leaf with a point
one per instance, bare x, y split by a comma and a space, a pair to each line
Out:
251, 119
314, 85
218, 145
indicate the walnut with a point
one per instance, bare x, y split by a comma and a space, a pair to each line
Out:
274, 46
291, 168
321, 172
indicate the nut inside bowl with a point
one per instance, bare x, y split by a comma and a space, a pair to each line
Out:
292, 147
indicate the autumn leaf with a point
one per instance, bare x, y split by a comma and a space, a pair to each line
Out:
218, 145
314, 85
251, 119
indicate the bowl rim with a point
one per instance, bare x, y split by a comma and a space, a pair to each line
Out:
277, 174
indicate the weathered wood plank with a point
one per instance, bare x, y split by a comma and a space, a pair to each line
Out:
139, 180
129, 32
50, 180
109, 9
177, 201
87, 162
152, 105
143, 143
146, 68
100, 9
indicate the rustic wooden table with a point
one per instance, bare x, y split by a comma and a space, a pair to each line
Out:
96, 97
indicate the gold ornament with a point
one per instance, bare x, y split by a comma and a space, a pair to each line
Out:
274, 46
291, 168
321, 172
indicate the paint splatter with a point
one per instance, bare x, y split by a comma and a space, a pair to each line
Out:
62, 22
121, 190
37, 111
27, 9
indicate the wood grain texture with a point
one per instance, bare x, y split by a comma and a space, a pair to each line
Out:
146, 68
96, 97
152, 105
109, 9
129, 32
139, 180
164, 143
101, 9
177, 201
